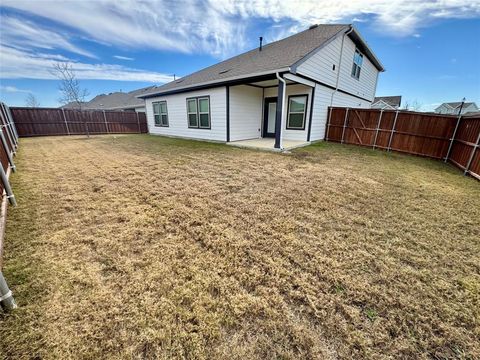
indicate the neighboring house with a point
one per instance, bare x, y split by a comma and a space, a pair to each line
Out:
281, 90
72, 105
454, 107
120, 101
387, 102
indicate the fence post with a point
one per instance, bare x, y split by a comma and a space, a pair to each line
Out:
11, 124
7, 302
86, 124
477, 144
393, 130
328, 122
105, 119
4, 125
65, 119
378, 128
344, 125
452, 139
9, 155
138, 122
6, 186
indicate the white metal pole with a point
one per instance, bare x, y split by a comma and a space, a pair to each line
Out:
6, 297
452, 138
12, 125
66, 123
344, 125
6, 186
105, 119
328, 123
4, 125
393, 131
475, 147
9, 155
378, 128
138, 123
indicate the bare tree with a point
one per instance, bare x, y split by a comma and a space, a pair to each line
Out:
69, 85
31, 101
412, 105
70, 88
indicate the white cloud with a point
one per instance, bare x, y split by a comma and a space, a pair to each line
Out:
183, 26
13, 89
218, 27
397, 17
25, 34
123, 57
20, 64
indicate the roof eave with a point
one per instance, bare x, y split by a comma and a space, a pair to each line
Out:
217, 82
358, 39
317, 49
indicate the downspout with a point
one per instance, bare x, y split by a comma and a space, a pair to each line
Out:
339, 65
283, 107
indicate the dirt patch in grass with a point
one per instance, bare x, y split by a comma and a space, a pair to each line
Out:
148, 247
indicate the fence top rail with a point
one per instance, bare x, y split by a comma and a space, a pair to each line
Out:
401, 112
82, 110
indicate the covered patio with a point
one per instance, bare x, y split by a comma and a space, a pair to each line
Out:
272, 113
268, 144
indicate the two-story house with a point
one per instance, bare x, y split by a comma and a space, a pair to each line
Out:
453, 108
280, 91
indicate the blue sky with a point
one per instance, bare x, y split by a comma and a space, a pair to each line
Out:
431, 49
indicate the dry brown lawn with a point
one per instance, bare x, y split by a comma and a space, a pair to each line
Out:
148, 247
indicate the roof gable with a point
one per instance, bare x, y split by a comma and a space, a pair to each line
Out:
276, 56
389, 100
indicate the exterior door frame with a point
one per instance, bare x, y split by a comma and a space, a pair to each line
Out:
267, 101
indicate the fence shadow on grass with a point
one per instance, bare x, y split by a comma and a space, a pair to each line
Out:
453, 139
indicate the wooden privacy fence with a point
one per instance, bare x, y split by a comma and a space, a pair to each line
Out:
8, 148
445, 137
54, 121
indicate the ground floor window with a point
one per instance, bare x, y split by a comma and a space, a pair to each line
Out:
198, 112
297, 105
160, 113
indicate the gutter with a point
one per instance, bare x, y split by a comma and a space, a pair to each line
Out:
206, 84
339, 65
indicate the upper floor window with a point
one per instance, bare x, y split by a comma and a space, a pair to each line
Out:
297, 106
160, 113
198, 112
357, 64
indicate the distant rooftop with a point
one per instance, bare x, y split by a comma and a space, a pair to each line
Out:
113, 101
390, 100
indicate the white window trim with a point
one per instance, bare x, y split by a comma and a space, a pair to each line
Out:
304, 112
160, 113
190, 113
198, 112
355, 65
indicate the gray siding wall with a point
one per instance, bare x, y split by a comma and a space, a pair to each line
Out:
320, 67
294, 89
177, 115
245, 112
325, 97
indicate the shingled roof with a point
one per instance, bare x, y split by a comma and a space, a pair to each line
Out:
116, 100
456, 105
390, 100
276, 56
